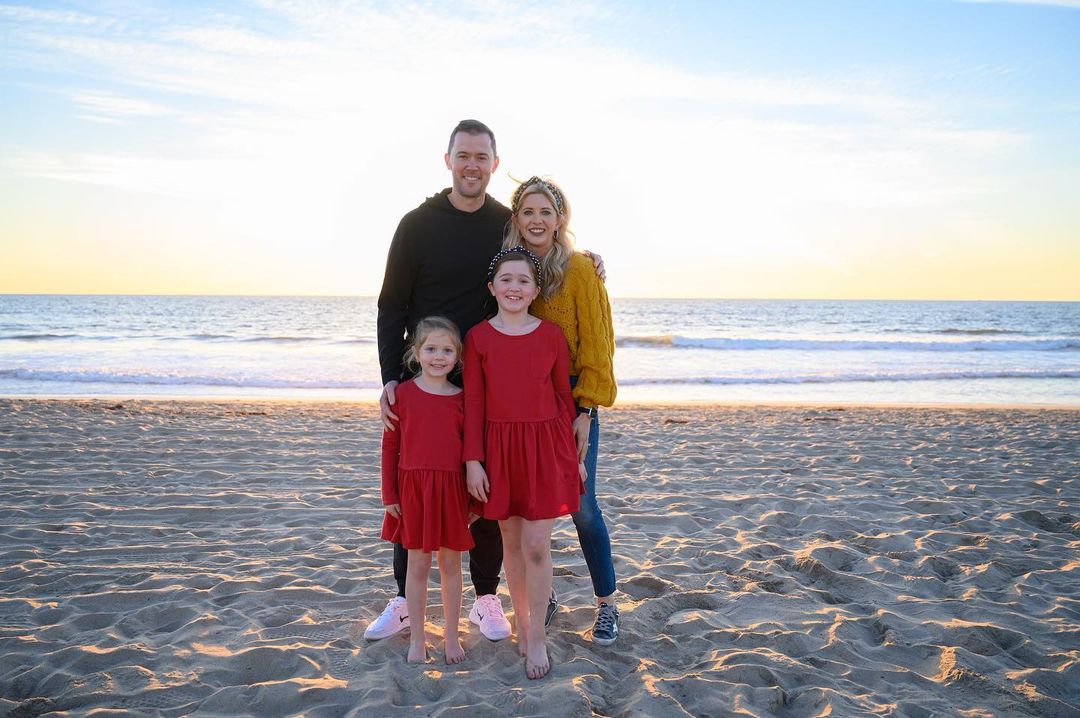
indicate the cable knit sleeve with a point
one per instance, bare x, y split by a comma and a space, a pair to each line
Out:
473, 376
560, 372
596, 340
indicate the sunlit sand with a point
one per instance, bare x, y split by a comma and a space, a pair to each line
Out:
223, 558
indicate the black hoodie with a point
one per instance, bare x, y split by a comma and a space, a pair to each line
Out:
437, 264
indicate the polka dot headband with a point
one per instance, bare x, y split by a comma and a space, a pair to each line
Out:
551, 187
525, 255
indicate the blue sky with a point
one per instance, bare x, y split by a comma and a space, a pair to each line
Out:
824, 149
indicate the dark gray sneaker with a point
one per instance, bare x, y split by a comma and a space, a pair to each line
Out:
552, 607
606, 628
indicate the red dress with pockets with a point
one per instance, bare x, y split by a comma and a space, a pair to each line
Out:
423, 472
518, 416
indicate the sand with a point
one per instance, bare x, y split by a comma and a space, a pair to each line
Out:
181, 558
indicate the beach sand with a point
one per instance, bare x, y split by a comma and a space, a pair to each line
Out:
174, 558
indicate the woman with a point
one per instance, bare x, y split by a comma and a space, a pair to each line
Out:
574, 298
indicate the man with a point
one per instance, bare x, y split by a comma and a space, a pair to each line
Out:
436, 265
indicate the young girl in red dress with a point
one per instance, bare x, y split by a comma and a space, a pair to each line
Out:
520, 457
423, 482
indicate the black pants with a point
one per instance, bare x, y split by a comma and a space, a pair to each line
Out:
485, 559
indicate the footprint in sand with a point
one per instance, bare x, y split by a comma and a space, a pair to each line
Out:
172, 697
984, 639
323, 632
33, 707
410, 679
1059, 524
944, 568
642, 587
345, 664
650, 618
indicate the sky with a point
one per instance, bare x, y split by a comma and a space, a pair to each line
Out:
863, 149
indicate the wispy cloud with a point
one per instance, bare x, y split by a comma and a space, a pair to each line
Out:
140, 173
340, 49
107, 105
55, 17
314, 78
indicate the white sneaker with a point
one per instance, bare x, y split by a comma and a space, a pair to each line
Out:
487, 612
393, 618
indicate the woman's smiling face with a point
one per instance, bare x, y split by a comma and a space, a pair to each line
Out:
537, 221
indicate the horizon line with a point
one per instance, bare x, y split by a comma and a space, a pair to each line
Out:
658, 298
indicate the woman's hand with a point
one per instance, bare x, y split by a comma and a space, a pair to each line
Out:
476, 481
394, 510
582, 424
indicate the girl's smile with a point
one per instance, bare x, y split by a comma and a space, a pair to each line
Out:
437, 355
514, 287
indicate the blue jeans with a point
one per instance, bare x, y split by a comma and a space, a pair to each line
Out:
591, 530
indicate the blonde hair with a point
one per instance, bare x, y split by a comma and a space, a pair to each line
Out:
553, 265
424, 328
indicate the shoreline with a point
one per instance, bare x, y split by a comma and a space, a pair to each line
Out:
704, 404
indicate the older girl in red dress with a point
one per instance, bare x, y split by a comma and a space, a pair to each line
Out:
423, 482
520, 455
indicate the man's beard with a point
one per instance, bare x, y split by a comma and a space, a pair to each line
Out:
464, 192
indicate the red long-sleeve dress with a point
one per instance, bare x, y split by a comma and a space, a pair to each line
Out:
422, 471
518, 417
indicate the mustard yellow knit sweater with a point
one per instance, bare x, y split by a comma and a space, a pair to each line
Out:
582, 311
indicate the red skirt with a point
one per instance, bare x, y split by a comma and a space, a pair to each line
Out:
434, 511
533, 469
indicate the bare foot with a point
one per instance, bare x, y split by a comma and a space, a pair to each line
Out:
537, 664
523, 645
417, 654
454, 652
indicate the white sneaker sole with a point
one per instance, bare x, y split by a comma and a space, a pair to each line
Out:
381, 635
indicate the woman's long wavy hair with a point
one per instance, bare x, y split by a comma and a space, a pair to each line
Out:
553, 266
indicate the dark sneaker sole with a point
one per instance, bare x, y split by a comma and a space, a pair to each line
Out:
552, 609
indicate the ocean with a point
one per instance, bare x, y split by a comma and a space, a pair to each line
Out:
682, 351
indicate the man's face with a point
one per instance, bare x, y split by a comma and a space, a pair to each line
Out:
471, 161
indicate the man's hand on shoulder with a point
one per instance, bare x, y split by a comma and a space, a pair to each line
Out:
598, 263
386, 400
